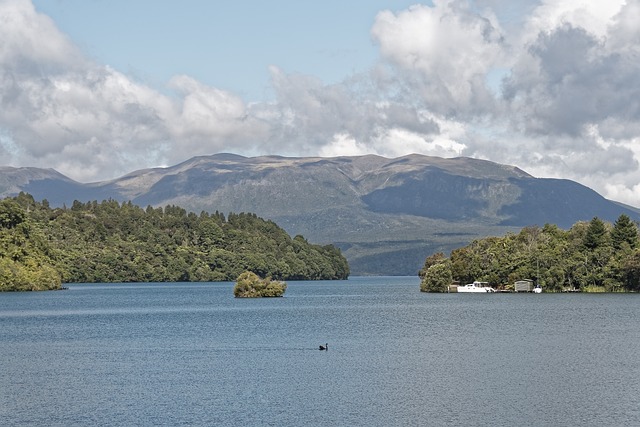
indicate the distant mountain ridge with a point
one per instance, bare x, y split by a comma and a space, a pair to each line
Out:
386, 214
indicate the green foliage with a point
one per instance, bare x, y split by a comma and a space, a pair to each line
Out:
431, 260
437, 278
590, 256
11, 214
113, 242
25, 255
624, 232
596, 234
250, 285
630, 270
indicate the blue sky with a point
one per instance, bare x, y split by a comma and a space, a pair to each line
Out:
97, 88
226, 44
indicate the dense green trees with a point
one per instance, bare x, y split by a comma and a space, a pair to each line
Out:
25, 261
591, 256
624, 233
113, 242
250, 285
437, 277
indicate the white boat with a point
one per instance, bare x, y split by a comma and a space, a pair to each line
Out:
476, 287
537, 289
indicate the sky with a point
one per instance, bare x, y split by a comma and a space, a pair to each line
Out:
99, 88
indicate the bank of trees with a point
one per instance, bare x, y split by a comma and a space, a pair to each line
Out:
26, 262
590, 256
121, 242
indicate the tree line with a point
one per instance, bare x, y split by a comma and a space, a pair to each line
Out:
590, 256
108, 241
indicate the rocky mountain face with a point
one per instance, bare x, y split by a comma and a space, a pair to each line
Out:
386, 215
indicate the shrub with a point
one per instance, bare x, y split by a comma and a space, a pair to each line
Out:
250, 285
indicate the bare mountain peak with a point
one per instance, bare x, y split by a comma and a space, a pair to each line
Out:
31, 173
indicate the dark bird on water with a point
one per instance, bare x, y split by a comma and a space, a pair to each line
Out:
324, 347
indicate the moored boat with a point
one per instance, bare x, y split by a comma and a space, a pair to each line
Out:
476, 287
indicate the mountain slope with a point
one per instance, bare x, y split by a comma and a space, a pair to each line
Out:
386, 214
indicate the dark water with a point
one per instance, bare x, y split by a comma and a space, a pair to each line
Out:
191, 354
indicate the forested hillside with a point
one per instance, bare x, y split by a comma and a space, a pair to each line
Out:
113, 242
26, 262
387, 215
590, 256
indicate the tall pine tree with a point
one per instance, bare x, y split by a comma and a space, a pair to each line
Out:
596, 234
624, 232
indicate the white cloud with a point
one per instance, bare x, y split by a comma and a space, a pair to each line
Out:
92, 122
568, 104
573, 82
206, 120
343, 145
575, 91
312, 115
624, 32
594, 17
443, 52
629, 194
60, 110
31, 42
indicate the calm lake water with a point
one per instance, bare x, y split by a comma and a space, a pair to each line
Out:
191, 354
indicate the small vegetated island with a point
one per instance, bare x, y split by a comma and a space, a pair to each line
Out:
110, 242
250, 285
592, 256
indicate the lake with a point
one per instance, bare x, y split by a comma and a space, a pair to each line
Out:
192, 354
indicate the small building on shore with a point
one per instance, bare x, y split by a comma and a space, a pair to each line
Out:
523, 285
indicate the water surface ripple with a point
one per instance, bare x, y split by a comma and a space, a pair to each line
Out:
191, 354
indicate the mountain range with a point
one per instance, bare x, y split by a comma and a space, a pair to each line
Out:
386, 215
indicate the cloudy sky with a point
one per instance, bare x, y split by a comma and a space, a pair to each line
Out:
98, 88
